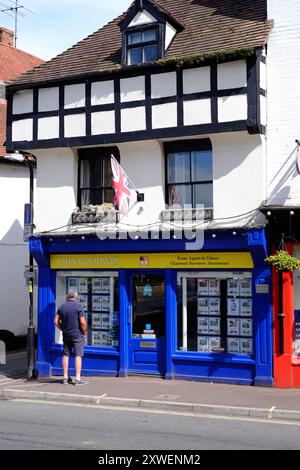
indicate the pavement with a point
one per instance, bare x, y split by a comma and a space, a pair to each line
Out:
154, 393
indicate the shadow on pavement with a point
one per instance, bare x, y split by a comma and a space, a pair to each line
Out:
16, 365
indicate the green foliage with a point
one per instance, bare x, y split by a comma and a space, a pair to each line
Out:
283, 261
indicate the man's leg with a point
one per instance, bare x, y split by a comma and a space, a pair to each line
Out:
65, 366
78, 365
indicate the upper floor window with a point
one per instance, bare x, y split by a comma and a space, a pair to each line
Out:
142, 46
189, 173
95, 176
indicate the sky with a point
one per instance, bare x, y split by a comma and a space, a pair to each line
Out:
59, 24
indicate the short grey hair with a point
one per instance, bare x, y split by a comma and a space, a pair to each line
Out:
72, 296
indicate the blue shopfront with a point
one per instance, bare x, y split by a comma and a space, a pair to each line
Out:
159, 307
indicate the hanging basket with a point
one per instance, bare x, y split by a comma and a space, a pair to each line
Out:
283, 261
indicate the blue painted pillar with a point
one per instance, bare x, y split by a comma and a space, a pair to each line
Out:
46, 314
171, 320
123, 306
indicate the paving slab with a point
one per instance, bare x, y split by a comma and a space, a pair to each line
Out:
179, 392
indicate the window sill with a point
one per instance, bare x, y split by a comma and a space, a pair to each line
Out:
105, 217
172, 215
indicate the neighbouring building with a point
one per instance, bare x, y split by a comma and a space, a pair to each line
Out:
176, 90
283, 189
14, 192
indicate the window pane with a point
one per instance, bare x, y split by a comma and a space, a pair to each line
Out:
203, 194
179, 167
134, 38
148, 304
106, 172
202, 165
150, 35
108, 195
180, 194
85, 174
150, 53
91, 196
135, 56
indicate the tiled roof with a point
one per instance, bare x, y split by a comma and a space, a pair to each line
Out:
13, 62
209, 26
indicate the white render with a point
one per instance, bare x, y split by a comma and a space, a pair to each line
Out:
143, 17
102, 93
283, 71
239, 173
75, 125
163, 85
164, 115
23, 102
197, 112
232, 108
132, 89
48, 128
238, 167
103, 122
170, 33
14, 192
133, 119
56, 189
48, 99
196, 80
75, 96
22, 130
232, 75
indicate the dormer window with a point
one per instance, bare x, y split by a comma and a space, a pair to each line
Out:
147, 32
142, 46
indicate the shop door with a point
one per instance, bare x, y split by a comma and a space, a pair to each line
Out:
147, 320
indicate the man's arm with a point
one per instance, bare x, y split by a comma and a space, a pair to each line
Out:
57, 322
83, 325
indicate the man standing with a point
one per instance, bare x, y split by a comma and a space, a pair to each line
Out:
70, 319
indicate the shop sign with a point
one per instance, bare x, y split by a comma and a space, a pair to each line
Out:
202, 260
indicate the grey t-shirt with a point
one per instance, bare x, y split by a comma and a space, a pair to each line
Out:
70, 313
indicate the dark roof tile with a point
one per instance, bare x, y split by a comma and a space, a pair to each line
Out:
209, 26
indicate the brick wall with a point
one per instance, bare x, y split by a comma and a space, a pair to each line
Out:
283, 102
6, 36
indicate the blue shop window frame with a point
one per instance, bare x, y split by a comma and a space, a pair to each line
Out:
260, 362
49, 352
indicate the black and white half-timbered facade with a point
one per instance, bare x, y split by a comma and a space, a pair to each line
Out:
176, 91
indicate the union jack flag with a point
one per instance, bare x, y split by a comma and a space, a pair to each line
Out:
125, 195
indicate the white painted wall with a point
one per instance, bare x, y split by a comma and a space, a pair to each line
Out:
196, 80
164, 115
22, 130
197, 112
23, 102
239, 173
14, 192
170, 33
143, 17
49, 99
75, 96
133, 119
103, 122
283, 70
56, 188
48, 128
232, 108
132, 89
163, 85
238, 169
102, 93
232, 75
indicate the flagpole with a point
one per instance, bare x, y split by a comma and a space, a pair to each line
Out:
140, 197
